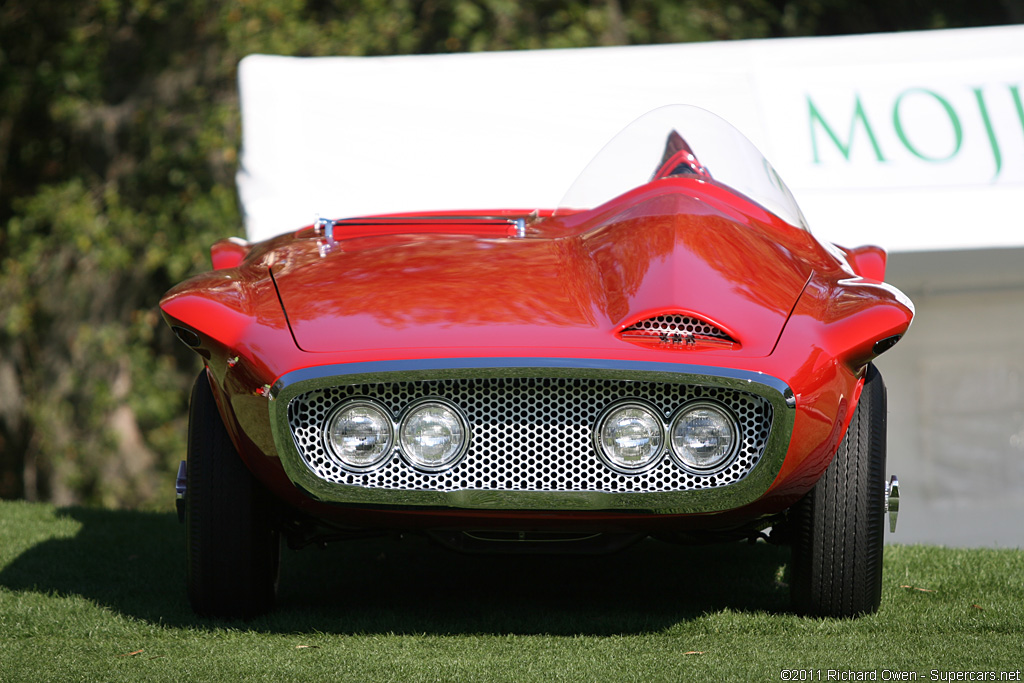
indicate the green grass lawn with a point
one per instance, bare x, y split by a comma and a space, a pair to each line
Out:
97, 595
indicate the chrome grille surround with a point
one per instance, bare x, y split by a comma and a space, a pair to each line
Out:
528, 434
532, 424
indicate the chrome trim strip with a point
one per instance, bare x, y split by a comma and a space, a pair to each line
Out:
431, 220
181, 490
325, 227
734, 495
444, 368
520, 226
181, 481
892, 502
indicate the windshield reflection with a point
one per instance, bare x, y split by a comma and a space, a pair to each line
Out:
682, 141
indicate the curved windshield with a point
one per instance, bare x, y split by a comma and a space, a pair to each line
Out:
682, 141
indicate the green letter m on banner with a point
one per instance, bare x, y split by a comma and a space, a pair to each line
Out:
816, 119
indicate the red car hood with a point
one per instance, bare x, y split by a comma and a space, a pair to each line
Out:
559, 286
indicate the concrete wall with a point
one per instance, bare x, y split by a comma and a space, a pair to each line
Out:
956, 398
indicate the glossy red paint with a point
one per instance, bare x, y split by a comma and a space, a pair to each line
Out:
229, 253
437, 286
868, 261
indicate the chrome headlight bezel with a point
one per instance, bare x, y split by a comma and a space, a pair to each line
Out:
678, 452
386, 419
404, 439
601, 442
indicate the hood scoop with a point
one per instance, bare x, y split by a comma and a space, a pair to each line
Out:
678, 331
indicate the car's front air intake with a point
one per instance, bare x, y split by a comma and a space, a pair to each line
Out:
529, 434
678, 328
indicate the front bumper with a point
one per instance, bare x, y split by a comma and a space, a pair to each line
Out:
530, 449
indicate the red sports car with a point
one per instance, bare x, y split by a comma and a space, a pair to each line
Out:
668, 353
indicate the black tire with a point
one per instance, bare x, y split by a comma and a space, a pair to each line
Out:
233, 551
838, 526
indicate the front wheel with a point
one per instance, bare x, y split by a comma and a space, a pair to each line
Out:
838, 526
233, 552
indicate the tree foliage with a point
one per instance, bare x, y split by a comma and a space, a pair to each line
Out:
119, 130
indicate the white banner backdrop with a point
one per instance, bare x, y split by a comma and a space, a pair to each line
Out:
914, 141
911, 141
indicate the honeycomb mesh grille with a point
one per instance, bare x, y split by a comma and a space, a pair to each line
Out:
663, 325
529, 434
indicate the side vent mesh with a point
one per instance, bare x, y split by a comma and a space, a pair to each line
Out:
676, 329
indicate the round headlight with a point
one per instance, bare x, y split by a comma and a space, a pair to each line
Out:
433, 435
705, 437
630, 437
359, 434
